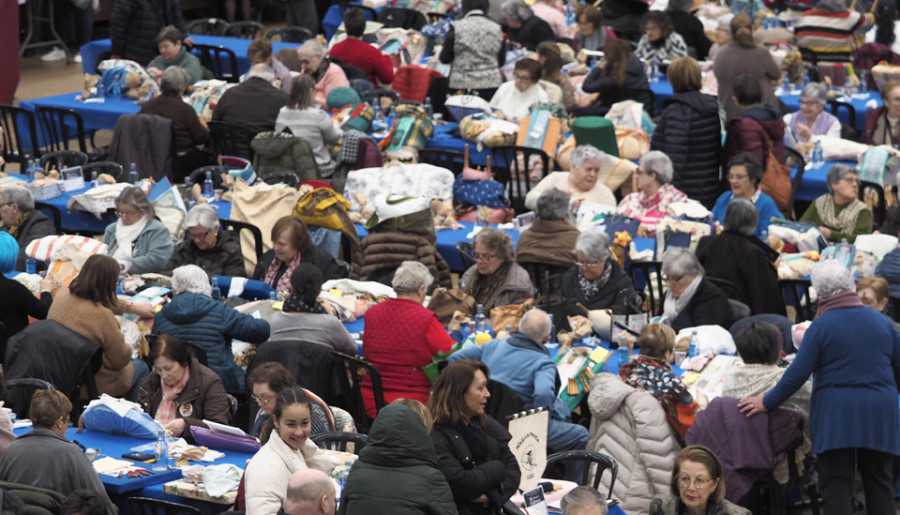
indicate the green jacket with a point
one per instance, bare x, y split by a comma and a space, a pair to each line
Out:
397, 470
184, 59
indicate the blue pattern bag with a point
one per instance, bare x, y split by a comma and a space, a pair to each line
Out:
478, 192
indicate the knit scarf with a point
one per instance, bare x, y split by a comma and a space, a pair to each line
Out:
126, 236
590, 288
13, 228
485, 288
294, 304
674, 306
843, 221
284, 283
844, 299
165, 413
323, 67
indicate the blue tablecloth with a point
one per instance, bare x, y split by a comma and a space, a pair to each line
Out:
814, 182
96, 115
91, 51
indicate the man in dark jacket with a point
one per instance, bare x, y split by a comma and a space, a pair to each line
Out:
253, 103
216, 251
22, 221
135, 24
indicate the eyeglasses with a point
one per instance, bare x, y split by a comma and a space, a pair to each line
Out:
486, 257
129, 213
198, 236
586, 264
737, 177
263, 400
809, 103
523, 77
851, 180
641, 171
674, 278
699, 483
7, 204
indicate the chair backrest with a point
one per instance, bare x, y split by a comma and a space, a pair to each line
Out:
338, 440
836, 106
52, 212
221, 61
655, 291
231, 139
61, 159
59, 126
114, 169
150, 506
245, 30
19, 139
402, 17
19, 393
351, 387
503, 402
207, 26
237, 227
512, 168
795, 160
873, 195
232, 408
291, 34
312, 366
797, 294
449, 159
593, 464
465, 254
286, 177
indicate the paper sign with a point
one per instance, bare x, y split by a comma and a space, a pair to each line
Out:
72, 178
534, 501
529, 445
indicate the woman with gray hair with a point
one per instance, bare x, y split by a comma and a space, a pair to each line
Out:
402, 336
194, 316
811, 120
596, 281
189, 132
216, 251
854, 353
495, 279
138, 241
525, 28
840, 214
318, 65
583, 182
551, 237
756, 278
691, 299
650, 203
22, 221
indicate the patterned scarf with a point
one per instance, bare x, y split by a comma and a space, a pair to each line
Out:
294, 304
843, 221
591, 288
284, 283
485, 288
165, 413
655, 376
13, 228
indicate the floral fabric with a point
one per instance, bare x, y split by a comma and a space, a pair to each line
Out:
650, 210
656, 377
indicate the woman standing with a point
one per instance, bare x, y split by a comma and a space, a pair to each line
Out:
471, 447
138, 241
474, 46
309, 123
840, 214
742, 56
854, 353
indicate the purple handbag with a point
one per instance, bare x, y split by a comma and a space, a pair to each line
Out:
223, 441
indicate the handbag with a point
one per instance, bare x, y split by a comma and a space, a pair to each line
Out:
509, 315
776, 180
444, 302
479, 192
224, 441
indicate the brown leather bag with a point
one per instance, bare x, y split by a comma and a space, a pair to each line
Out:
510, 315
444, 302
776, 179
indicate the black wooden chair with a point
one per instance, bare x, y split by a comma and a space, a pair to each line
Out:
61, 159
873, 195
449, 159
207, 27
514, 173
20, 140
19, 392
219, 60
592, 464
238, 227
465, 254
338, 441
641, 274
402, 17
150, 506
797, 293
244, 30
290, 34
114, 169
835, 106
60, 126
351, 387
231, 139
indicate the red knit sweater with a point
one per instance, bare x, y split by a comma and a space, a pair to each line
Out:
363, 55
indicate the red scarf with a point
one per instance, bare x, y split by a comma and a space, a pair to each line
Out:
284, 283
165, 413
844, 299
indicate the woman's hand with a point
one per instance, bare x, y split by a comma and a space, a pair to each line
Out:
826, 232
482, 499
48, 285
155, 72
143, 309
176, 427
804, 132
752, 405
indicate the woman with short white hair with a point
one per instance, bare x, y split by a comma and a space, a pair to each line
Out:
194, 316
692, 299
206, 245
811, 119
326, 74
582, 183
650, 203
596, 281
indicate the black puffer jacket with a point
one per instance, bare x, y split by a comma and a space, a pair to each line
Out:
400, 454
36, 225
135, 24
689, 133
225, 258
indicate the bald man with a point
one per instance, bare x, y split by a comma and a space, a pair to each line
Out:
310, 492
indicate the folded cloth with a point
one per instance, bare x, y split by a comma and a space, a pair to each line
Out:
218, 480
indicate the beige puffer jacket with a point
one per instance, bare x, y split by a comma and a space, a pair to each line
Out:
630, 426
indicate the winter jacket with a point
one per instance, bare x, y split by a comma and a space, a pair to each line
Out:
134, 25
534, 30
630, 426
150, 251
330, 267
753, 132
384, 252
493, 472
35, 226
889, 268
397, 470
873, 118
203, 397
211, 325
673, 506
635, 77
733, 60
547, 241
756, 275
226, 258
624, 17
146, 140
516, 288
708, 306
689, 133
619, 285
474, 46
185, 59
283, 152
690, 28
254, 103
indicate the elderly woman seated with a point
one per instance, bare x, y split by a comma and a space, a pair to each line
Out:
692, 299
651, 202
592, 35
207, 246
812, 119
514, 98
189, 131
744, 175
881, 123
875, 292
582, 183
840, 214
22, 221
138, 241
756, 278
525, 28
596, 281
316, 64
194, 316
292, 245
660, 42
652, 372
551, 238
495, 279
171, 53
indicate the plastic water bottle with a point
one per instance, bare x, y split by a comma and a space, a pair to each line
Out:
94, 181
692, 350
818, 158
786, 85
216, 291
101, 91
805, 77
570, 14
30, 266
552, 328
479, 319
208, 190
133, 176
29, 172
162, 451
654, 71
428, 108
345, 474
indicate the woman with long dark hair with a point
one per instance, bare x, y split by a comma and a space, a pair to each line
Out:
549, 56
308, 122
620, 69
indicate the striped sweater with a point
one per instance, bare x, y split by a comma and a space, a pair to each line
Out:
831, 36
